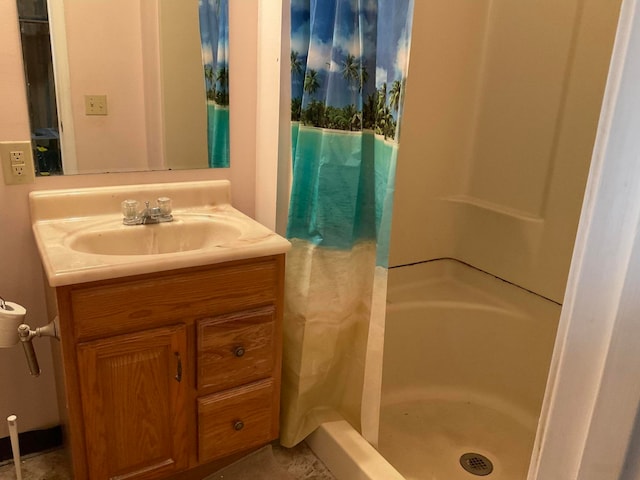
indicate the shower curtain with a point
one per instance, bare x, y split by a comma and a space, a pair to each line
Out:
349, 61
214, 36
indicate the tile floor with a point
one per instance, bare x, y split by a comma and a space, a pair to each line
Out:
299, 461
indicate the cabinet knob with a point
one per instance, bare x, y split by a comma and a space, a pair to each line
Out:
239, 425
238, 351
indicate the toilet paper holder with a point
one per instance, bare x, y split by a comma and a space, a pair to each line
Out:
26, 336
13, 312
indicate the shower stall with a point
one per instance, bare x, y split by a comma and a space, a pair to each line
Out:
501, 111
500, 116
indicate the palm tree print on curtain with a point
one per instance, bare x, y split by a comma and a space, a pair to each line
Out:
214, 36
349, 62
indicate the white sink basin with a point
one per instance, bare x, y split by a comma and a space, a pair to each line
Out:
182, 235
81, 238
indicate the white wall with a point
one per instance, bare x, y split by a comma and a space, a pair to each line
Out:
34, 399
500, 118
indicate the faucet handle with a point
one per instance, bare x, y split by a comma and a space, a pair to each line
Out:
129, 209
164, 204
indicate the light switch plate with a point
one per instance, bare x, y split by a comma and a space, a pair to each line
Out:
17, 163
95, 105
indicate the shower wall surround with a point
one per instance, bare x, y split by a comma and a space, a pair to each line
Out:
500, 119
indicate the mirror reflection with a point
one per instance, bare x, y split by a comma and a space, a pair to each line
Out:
214, 35
140, 85
38, 70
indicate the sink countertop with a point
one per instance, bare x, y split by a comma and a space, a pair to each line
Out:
58, 215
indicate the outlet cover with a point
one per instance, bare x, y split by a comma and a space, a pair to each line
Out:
17, 163
95, 105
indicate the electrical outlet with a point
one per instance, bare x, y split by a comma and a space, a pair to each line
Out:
17, 163
18, 170
18, 167
95, 105
17, 158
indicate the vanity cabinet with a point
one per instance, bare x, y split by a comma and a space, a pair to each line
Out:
171, 373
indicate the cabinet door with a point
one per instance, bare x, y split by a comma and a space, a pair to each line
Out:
134, 404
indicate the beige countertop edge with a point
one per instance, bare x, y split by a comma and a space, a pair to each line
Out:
153, 264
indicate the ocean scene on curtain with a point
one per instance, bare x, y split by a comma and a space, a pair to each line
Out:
349, 61
214, 35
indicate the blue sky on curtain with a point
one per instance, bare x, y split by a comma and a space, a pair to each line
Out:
214, 36
349, 60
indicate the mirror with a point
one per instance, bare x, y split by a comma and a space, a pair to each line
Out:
139, 84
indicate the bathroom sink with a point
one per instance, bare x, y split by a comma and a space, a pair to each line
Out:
81, 237
182, 235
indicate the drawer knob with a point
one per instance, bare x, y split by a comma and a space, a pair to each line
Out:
239, 425
238, 351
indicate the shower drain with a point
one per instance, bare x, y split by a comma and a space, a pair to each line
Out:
476, 464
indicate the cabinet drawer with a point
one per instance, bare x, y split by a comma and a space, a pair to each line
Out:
235, 420
112, 308
236, 348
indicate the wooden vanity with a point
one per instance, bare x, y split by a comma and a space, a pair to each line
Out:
168, 365
172, 373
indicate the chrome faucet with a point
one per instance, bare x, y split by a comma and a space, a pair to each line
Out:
148, 215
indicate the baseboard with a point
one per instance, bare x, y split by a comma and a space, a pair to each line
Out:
32, 442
